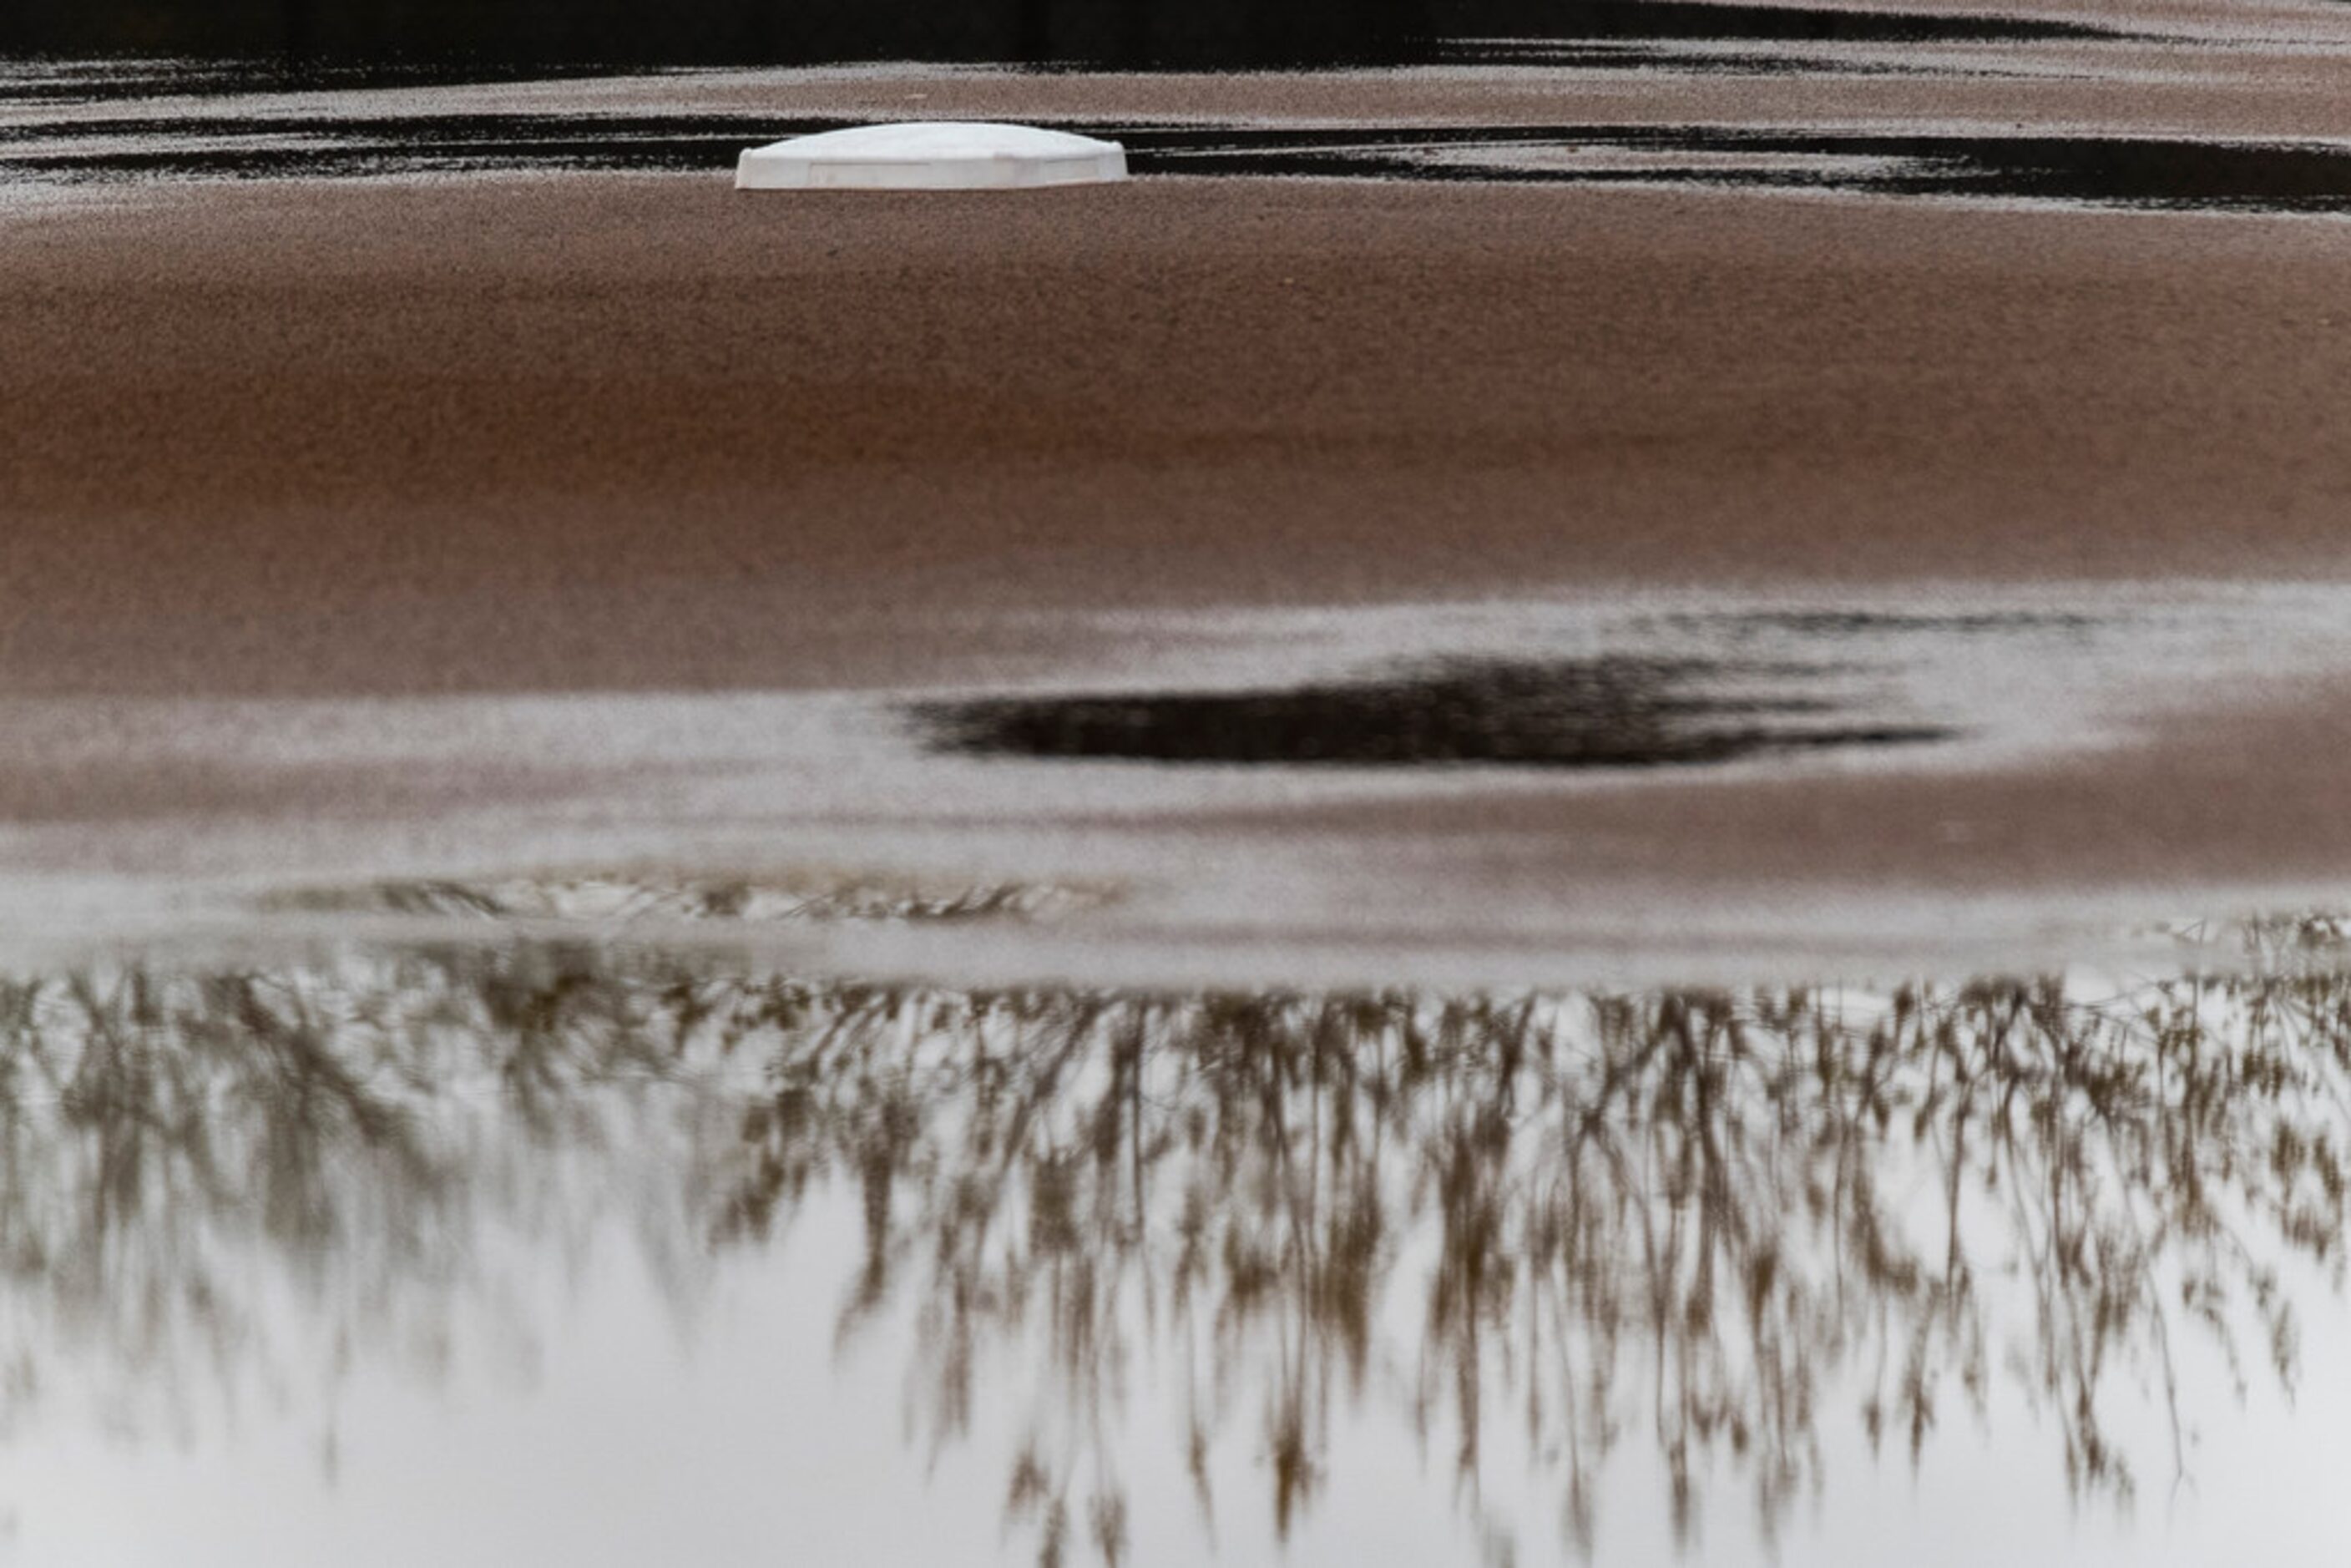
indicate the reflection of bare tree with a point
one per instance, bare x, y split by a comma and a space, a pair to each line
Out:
1699, 1225
1696, 1214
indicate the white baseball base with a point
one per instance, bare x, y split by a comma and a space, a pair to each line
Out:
934, 155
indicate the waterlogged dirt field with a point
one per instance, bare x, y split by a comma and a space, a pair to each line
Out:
1575, 803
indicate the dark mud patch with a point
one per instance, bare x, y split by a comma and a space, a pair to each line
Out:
1591, 714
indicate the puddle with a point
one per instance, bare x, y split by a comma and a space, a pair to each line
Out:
1604, 713
836, 1270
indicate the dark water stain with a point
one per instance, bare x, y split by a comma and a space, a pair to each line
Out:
2175, 172
1612, 711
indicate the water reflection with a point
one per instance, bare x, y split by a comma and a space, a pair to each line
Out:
1703, 1229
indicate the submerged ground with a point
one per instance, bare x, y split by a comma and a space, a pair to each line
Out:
1578, 800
